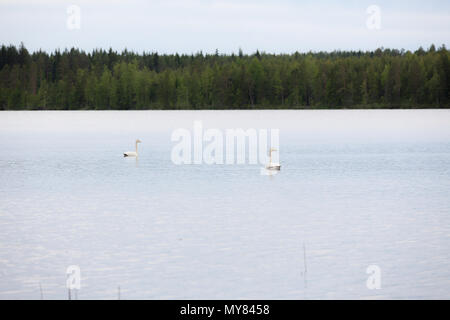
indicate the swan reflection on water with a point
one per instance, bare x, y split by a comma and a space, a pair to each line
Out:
268, 172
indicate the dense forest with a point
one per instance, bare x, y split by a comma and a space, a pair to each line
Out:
73, 79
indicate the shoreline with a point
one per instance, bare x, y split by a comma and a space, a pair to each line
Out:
356, 107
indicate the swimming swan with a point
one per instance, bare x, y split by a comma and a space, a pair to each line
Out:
132, 153
272, 165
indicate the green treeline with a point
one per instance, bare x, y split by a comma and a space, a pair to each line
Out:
73, 79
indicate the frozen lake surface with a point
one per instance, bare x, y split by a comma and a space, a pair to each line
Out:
357, 188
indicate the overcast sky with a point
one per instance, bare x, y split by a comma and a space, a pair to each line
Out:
188, 26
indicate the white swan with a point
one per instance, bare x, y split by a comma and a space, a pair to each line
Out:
271, 165
132, 153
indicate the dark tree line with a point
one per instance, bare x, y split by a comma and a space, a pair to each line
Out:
74, 79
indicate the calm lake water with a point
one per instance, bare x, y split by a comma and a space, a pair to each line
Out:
357, 188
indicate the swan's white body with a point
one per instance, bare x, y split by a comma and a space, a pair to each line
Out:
132, 153
272, 165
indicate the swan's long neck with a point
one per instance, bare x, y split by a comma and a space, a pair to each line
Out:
136, 147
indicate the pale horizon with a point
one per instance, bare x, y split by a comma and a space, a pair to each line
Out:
187, 27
